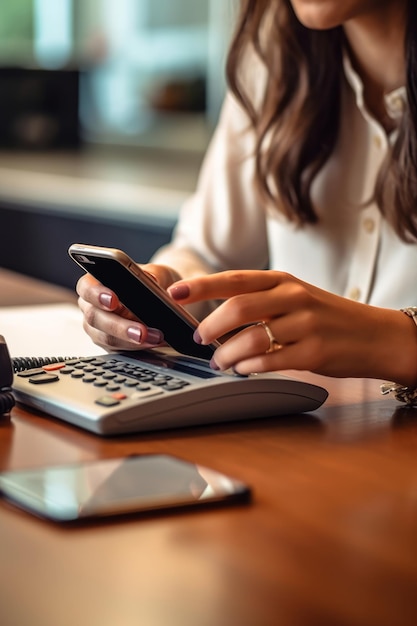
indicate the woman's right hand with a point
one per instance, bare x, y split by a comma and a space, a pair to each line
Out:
109, 324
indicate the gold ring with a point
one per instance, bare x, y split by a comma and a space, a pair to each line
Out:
274, 344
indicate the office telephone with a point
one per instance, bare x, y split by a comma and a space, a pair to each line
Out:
141, 391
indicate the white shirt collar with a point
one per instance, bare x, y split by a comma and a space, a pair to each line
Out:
395, 100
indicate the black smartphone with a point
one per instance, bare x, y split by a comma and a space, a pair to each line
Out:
121, 486
141, 294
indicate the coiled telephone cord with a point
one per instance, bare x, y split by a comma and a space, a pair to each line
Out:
22, 363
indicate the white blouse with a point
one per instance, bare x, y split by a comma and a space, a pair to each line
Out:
351, 251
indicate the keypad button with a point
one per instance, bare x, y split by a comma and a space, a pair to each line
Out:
119, 396
51, 367
77, 374
131, 383
44, 378
109, 376
107, 401
31, 372
113, 387
89, 379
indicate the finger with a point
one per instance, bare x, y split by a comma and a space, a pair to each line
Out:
136, 339
253, 341
162, 274
242, 310
247, 309
112, 330
263, 339
226, 284
108, 342
249, 342
92, 291
302, 355
115, 344
296, 356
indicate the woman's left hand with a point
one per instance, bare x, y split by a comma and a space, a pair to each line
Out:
313, 329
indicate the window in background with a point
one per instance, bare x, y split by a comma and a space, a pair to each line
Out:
53, 33
156, 70
16, 31
37, 33
151, 72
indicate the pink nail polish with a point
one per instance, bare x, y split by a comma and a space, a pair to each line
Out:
179, 292
154, 336
197, 337
106, 300
135, 334
214, 365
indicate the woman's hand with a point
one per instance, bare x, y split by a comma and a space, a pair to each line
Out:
314, 330
109, 324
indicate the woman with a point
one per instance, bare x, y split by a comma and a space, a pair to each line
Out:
312, 172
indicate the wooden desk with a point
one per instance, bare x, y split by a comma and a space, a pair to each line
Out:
18, 290
329, 540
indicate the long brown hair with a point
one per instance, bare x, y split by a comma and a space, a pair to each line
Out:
298, 121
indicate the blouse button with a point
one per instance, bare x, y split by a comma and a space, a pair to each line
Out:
397, 103
369, 224
355, 293
378, 141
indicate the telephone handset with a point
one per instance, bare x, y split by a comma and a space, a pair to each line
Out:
7, 400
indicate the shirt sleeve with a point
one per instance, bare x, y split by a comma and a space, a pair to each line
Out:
222, 225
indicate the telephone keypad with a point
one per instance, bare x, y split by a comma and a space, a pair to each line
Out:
114, 377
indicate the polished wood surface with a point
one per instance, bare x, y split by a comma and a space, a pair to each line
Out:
330, 538
18, 290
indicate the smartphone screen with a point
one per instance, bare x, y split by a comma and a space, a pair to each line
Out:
133, 484
142, 296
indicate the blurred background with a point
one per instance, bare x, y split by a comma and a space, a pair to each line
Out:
142, 66
106, 110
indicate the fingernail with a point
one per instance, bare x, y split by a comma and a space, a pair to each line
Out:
179, 292
197, 337
135, 334
105, 299
154, 336
213, 364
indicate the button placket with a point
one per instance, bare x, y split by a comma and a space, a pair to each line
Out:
364, 257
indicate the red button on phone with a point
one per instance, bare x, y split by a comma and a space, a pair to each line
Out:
53, 366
